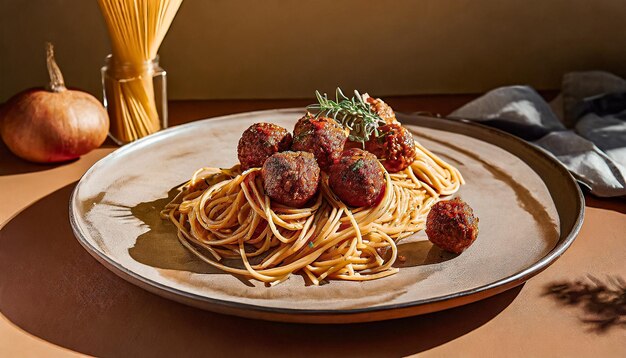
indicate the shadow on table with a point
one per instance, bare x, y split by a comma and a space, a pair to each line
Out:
615, 204
10, 164
602, 302
52, 288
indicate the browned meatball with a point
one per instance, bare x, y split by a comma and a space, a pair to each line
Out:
451, 225
260, 141
394, 146
322, 136
357, 178
381, 108
291, 178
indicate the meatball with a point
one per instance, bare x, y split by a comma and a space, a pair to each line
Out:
451, 225
394, 146
381, 108
260, 141
322, 136
357, 178
291, 178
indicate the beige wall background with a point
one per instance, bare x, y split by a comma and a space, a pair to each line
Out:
289, 48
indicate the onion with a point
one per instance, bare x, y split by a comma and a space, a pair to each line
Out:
55, 124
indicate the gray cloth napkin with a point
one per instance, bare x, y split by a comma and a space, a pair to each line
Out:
590, 139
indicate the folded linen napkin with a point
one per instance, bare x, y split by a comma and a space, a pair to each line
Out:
590, 140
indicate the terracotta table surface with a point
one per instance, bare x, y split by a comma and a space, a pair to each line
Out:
57, 301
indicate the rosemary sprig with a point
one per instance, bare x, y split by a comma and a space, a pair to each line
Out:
352, 113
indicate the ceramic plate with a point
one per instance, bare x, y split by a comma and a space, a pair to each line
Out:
529, 206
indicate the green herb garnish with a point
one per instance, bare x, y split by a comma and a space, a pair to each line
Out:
357, 165
302, 135
352, 113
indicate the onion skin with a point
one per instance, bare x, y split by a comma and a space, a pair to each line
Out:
46, 127
55, 125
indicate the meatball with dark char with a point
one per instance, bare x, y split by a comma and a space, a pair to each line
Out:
381, 108
260, 141
357, 178
291, 178
322, 136
451, 225
394, 146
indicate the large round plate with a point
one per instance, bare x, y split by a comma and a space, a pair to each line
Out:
529, 206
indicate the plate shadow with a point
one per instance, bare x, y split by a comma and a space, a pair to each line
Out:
52, 288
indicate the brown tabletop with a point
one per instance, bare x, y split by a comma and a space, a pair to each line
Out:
56, 300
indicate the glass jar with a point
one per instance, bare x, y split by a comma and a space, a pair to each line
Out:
135, 96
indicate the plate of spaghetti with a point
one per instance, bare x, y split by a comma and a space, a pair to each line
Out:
357, 214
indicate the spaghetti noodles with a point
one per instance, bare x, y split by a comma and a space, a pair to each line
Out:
224, 214
137, 29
